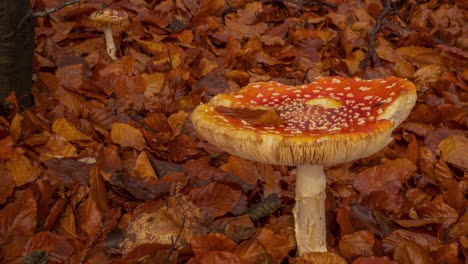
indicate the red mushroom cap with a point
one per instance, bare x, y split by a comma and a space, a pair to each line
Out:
329, 121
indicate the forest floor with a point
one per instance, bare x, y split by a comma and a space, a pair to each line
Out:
107, 167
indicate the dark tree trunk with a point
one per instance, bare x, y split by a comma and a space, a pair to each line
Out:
16, 49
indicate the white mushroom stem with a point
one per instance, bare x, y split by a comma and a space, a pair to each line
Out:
110, 45
309, 211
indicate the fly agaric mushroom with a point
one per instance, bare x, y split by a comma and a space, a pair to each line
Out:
330, 121
108, 20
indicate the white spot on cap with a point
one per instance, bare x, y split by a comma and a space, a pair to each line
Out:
238, 96
364, 88
259, 95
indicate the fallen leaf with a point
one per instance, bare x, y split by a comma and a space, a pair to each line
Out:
65, 129
320, 258
454, 149
391, 242
21, 169
58, 249
18, 218
258, 117
127, 136
204, 244
143, 166
89, 219
409, 252
265, 241
357, 244
215, 198
374, 260
6, 148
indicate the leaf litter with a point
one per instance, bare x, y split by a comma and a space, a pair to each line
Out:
106, 167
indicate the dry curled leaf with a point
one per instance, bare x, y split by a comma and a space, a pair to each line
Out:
258, 117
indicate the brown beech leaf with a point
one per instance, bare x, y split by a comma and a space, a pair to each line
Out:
390, 242
127, 136
460, 228
97, 190
447, 253
382, 178
374, 260
65, 129
58, 248
201, 168
215, 257
409, 252
265, 241
211, 242
246, 170
438, 211
89, 219
21, 169
66, 224
319, 258
7, 186
357, 244
6, 148
18, 218
58, 147
258, 117
215, 198
454, 150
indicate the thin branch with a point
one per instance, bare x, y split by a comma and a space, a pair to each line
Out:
371, 41
56, 8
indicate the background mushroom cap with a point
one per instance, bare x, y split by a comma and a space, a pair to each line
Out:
334, 120
116, 19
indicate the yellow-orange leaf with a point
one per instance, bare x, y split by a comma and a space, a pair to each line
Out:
21, 169
127, 136
143, 166
62, 127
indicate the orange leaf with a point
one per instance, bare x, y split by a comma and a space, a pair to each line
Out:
62, 127
7, 185
215, 257
390, 242
454, 149
16, 127
374, 260
408, 252
18, 218
66, 225
58, 249
21, 169
127, 136
97, 190
6, 148
212, 242
357, 244
217, 199
143, 166
246, 170
59, 147
322, 258
89, 219
265, 241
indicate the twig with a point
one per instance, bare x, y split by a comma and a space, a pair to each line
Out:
56, 8
371, 41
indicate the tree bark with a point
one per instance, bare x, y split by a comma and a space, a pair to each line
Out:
16, 49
